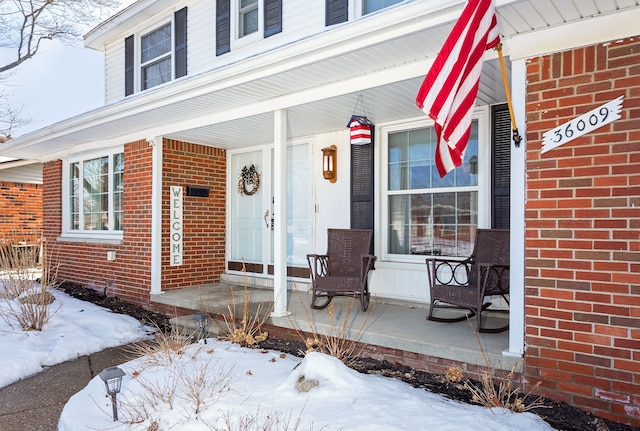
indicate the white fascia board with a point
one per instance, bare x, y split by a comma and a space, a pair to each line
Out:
116, 25
604, 28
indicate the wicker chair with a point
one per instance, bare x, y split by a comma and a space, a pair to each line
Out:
465, 284
344, 269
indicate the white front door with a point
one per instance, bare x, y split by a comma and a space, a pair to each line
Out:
251, 212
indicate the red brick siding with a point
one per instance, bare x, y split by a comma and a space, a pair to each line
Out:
129, 276
21, 213
582, 232
203, 218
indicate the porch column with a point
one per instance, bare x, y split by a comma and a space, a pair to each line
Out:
156, 214
280, 213
518, 171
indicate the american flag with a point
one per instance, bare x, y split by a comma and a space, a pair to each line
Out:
449, 90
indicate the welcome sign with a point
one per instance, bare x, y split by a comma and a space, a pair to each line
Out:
176, 225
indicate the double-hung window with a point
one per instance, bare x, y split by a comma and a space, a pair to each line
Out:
93, 195
426, 214
369, 6
155, 57
242, 22
248, 17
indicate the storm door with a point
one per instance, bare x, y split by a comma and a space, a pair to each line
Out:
251, 214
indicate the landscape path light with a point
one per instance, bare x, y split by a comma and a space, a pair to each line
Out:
202, 322
112, 378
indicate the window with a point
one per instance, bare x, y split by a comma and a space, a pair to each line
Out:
369, 6
248, 18
94, 194
426, 214
241, 22
157, 56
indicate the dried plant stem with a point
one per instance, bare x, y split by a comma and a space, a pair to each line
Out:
246, 329
505, 394
27, 303
335, 341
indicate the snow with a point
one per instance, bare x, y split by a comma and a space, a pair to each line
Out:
76, 328
221, 386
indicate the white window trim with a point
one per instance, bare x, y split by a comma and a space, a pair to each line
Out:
169, 53
137, 51
484, 178
236, 40
68, 234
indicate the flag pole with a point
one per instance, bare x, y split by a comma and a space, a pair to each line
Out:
516, 135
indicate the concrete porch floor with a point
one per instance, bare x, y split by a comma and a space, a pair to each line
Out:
392, 325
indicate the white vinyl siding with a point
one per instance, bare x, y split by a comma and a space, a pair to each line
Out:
299, 20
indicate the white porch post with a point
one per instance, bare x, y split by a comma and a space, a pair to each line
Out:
280, 213
156, 215
518, 199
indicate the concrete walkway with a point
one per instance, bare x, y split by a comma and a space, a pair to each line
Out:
35, 403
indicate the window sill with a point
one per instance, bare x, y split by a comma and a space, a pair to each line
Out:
110, 239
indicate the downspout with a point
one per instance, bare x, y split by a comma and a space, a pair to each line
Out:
156, 215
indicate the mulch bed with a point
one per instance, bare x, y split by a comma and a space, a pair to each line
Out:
561, 416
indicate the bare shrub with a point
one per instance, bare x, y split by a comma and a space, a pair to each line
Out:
334, 341
27, 303
272, 421
164, 349
508, 393
245, 329
190, 385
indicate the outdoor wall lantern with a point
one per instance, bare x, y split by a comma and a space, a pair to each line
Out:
329, 166
201, 322
112, 378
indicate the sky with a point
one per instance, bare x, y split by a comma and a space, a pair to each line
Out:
60, 82
218, 385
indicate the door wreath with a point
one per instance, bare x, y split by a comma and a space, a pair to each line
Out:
249, 176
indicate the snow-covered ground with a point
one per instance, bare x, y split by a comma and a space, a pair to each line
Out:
221, 386
76, 328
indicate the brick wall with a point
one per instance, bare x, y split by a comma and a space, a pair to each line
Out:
129, 276
21, 213
583, 232
204, 219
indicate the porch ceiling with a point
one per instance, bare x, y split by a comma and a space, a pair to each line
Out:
233, 107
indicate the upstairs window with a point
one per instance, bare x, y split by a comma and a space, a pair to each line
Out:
248, 17
369, 6
239, 22
155, 57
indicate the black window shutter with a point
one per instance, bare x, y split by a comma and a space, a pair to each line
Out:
272, 17
336, 11
362, 185
223, 26
128, 65
501, 167
180, 42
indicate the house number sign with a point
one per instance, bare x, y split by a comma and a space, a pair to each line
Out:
582, 125
176, 225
